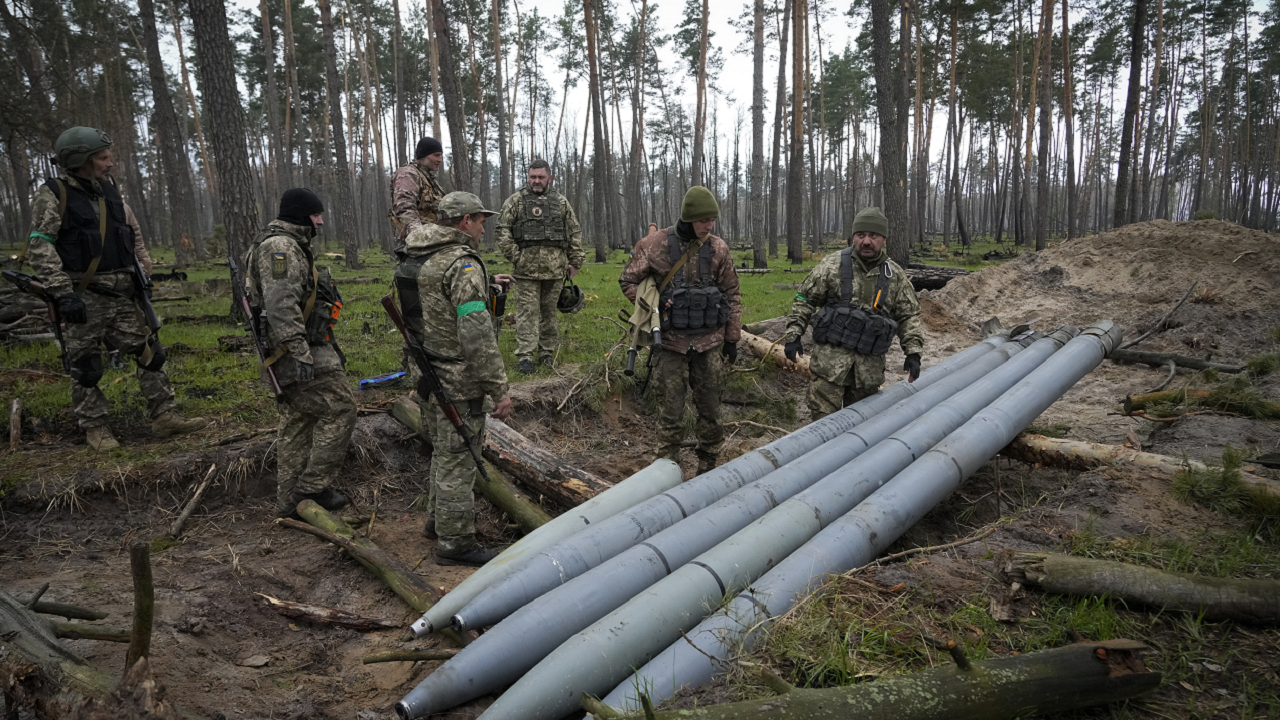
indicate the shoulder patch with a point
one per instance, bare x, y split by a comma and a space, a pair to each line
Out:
468, 267
279, 266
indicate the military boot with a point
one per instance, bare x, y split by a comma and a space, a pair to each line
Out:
100, 438
474, 556
548, 361
706, 462
429, 530
525, 366
170, 423
328, 498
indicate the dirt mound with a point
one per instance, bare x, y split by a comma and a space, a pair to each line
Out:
1133, 276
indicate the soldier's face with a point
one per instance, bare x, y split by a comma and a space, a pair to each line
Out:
473, 226
433, 161
318, 220
868, 244
703, 228
99, 165
539, 179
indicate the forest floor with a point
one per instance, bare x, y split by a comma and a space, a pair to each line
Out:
68, 518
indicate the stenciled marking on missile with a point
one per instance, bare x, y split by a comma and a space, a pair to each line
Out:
707, 567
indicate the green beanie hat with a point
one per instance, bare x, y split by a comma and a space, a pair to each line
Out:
699, 204
871, 220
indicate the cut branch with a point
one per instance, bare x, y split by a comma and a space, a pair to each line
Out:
765, 349
408, 655
330, 616
1250, 601
1160, 323
1155, 359
176, 530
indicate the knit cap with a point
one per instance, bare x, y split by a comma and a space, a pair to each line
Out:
871, 220
699, 204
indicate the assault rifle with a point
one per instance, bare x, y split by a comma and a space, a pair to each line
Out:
422, 357
143, 285
254, 315
31, 284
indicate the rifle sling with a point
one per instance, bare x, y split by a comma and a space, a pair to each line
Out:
693, 247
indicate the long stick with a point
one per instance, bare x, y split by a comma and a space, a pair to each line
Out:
1160, 323
408, 655
15, 423
143, 603
176, 529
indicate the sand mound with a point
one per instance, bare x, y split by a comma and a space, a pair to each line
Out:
1133, 276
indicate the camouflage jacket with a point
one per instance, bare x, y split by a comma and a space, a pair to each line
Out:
41, 239
414, 196
822, 287
454, 319
540, 262
279, 280
651, 258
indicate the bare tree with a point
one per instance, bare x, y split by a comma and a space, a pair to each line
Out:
344, 198
1120, 214
755, 205
455, 112
890, 68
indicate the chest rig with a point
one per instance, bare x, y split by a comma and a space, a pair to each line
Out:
851, 325
541, 222
94, 236
695, 307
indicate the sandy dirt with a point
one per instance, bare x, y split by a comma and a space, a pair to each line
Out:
210, 619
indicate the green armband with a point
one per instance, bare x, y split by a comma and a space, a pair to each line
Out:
801, 297
35, 233
472, 307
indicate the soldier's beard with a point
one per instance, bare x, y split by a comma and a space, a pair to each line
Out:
538, 189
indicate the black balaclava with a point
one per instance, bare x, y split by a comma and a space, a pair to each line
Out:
297, 205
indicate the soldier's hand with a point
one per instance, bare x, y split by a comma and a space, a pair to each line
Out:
503, 410
730, 351
71, 308
306, 371
793, 350
912, 366
504, 280
572, 271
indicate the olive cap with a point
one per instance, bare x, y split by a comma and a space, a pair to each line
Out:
456, 204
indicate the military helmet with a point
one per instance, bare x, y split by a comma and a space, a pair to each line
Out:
75, 146
571, 298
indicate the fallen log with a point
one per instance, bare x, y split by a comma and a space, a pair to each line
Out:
357, 281
1156, 359
1066, 678
1255, 601
70, 612
1134, 403
537, 469
408, 655
499, 492
753, 271
81, 631
329, 616
417, 592
28, 640
765, 349
1227, 402
1081, 455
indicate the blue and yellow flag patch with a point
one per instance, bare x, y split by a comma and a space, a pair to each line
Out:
468, 267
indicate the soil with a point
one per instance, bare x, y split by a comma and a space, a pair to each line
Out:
74, 530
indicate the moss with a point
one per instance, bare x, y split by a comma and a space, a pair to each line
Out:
160, 543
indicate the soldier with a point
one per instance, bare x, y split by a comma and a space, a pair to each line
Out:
700, 320
83, 248
862, 299
415, 191
299, 306
445, 297
539, 233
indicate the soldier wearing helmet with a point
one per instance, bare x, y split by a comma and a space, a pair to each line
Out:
446, 300
83, 248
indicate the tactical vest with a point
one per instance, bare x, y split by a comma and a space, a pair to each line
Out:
694, 308
542, 221
92, 228
866, 331
406, 282
323, 305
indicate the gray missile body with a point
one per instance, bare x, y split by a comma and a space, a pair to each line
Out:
859, 536
579, 553
498, 657
597, 659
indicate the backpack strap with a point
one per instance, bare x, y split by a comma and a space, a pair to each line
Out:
704, 263
846, 275
882, 285
673, 249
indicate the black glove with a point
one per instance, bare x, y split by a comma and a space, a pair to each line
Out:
71, 308
730, 352
793, 350
912, 366
306, 372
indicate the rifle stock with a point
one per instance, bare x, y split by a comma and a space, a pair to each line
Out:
436, 388
255, 325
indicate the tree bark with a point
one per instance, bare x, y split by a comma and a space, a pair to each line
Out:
143, 603
1156, 359
1046, 125
222, 100
1066, 678
29, 640
755, 204
499, 111
344, 198
598, 148
795, 161
329, 616
762, 348
538, 469
891, 108
402, 128
1068, 122
779, 111
1120, 213
1255, 602
700, 109
455, 112
271, 109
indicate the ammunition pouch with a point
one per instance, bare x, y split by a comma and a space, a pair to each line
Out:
328, 306
87, 370
542, 222
864, 330
694, 307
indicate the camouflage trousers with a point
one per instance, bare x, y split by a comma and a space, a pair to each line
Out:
537, 327
451, 500
118, 321
675, 374
316, 421
828, 397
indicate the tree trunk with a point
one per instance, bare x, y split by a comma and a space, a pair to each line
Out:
700, 110
1076, 676
271, 108
1120, 212
345, 199
795, 162
402, 130
755, 204
29, 640
1255, 602
208, 168
499, 110
762, 348
779, 105
598, 149
1068, 122
222, 98
1046, 124
454, 109
889, 60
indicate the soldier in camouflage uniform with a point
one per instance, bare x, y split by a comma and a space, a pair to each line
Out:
843, 375
445, 297
317, 410
83, 249
539, 233
696, 340
415, 191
